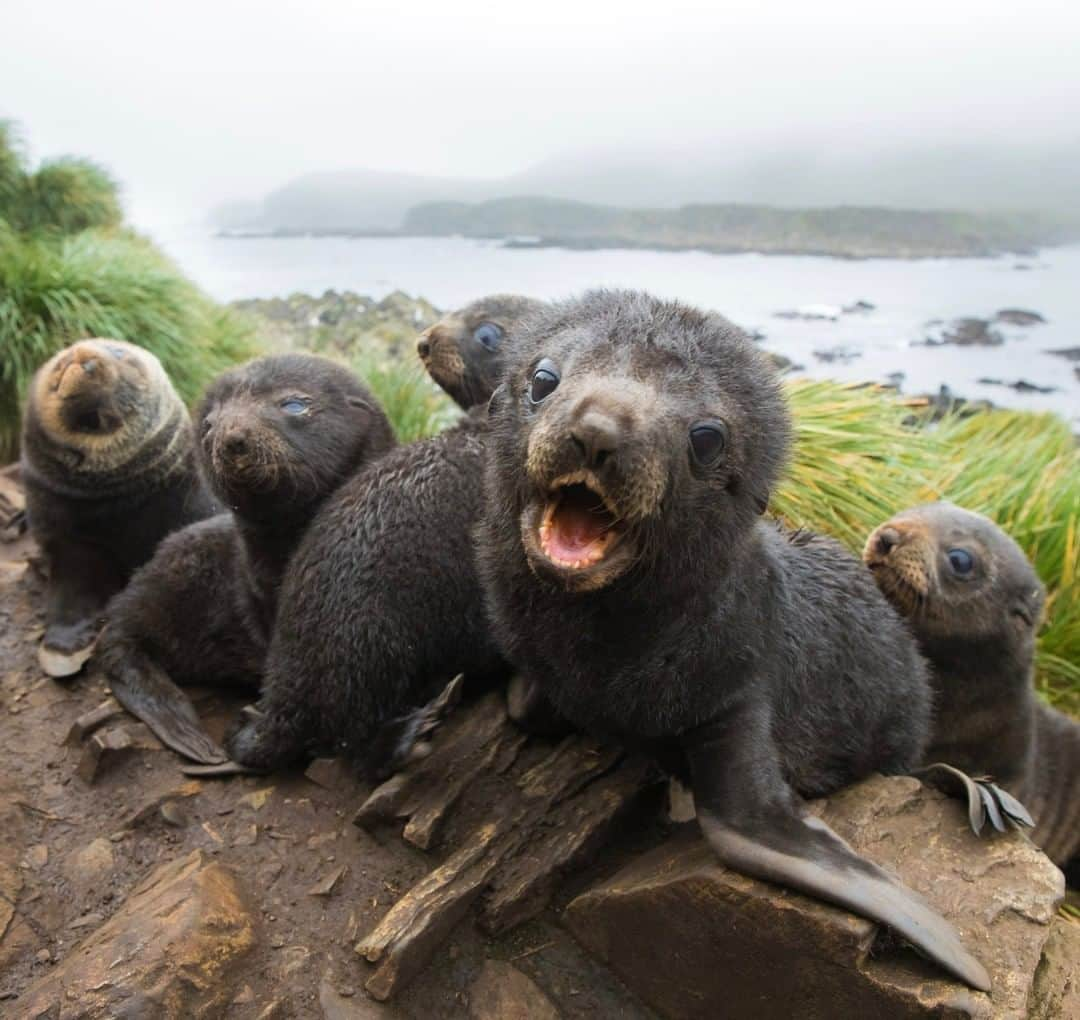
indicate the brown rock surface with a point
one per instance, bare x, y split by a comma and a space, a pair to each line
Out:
502, 992
1055, 994
696, 940
172, 950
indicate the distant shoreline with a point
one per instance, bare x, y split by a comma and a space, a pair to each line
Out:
625, 244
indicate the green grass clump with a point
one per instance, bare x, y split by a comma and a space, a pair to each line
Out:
1023, 471
858, 460
415, 406
54, 291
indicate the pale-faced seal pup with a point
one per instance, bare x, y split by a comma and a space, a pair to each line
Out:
277, 436
633, 445
381, 604
975, 603
108, 463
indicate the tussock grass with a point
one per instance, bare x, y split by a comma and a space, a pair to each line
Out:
55, 291
415, 406
858, 460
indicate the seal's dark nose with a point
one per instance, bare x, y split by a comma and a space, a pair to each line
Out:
423, 347
887, 540
596, 435
235, 443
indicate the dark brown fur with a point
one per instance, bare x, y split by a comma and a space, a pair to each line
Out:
108, 462
978, 630
202, 610
381, 604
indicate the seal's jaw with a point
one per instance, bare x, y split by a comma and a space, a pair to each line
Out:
573, 535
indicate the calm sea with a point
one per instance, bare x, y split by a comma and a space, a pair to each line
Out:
750, 289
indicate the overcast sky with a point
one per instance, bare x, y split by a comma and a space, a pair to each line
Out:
193, 103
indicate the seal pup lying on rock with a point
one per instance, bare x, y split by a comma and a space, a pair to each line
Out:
108, 464
634, 445
276, 437
381, 604
975, 604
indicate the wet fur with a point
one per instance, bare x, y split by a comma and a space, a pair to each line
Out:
979, 637
99, 504
382, 604
201, 612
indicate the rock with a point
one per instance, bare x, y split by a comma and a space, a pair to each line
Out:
841, 354
966, 332
86, 868
1019, 317
695, 940
812, 313
13, 826
172, 950
502, 992
1068, 353
859, 308
336, 1006
1020, 385
102, 751
1056, 993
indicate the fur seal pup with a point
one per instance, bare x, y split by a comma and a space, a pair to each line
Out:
277, 436
634, 444
975, 603
387, 569
462, 352
108, 463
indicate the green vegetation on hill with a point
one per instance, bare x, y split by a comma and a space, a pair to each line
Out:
843, 230
69, 270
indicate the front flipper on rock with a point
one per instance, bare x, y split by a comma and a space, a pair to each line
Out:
754, 823
144, 689
986, 801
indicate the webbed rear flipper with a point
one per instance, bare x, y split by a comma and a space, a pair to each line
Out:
146, 691
986, 801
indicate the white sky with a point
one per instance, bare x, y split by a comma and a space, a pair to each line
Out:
196, 102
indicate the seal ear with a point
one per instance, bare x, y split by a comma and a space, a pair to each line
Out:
496, 400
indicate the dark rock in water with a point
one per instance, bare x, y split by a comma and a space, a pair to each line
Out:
1019, 317
841, 354
895, 380
859, 308
1068, 353
698, 941
965, 332
781, 363
757, 335
1023, 267
1021, 385
812, 313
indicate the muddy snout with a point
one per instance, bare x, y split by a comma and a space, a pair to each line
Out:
890, 542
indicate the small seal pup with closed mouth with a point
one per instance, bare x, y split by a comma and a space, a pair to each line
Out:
277, 436
381, 604
108, 463
634, 444
975, 603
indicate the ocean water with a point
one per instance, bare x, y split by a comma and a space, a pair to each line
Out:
881, 344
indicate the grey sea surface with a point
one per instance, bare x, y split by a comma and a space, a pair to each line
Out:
885, 343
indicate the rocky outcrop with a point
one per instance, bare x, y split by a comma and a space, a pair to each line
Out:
1056, 991
695, 940
171, 951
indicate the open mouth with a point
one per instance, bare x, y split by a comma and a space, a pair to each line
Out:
578, 529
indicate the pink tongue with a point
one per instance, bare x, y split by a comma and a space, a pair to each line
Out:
573, 531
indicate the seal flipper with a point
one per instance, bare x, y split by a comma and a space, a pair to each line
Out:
986, 801
144, 689
752, 821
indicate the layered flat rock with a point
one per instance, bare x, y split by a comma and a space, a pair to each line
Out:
696, 940
172, 950
502, 992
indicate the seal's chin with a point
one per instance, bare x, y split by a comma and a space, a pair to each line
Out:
573, 535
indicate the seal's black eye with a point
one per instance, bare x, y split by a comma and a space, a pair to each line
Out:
545, 379
294, 405
708, 441
488, 335
961, 561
